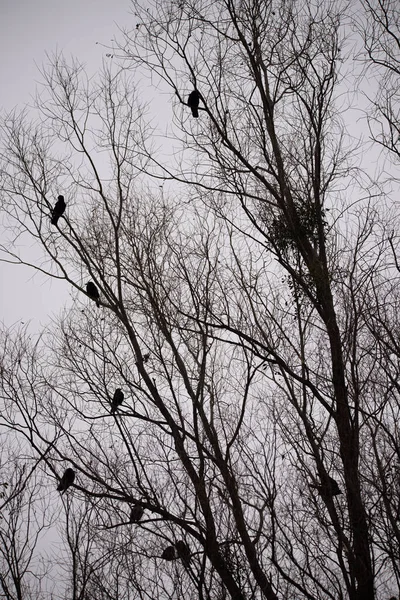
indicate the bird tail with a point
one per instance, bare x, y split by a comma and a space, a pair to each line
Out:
97, 303
54, 220
195, 112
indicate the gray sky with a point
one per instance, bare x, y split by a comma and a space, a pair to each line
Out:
29, 29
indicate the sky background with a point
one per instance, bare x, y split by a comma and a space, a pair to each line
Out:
79, 28
29, 29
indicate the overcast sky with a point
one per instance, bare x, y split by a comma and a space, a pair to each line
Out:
29, 29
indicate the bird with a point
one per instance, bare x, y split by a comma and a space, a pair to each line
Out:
58, 210
92, 292
183, 550
168, 553
66, 480
117, 400
328, 488
193, 102
136, 513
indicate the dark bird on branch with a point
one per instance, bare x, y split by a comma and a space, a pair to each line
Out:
168, 553
136, 514
117, 400
193, 102
92, 292
66, 480
58, 210
183, 550
328, 488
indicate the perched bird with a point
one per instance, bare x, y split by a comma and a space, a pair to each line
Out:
58, 210
92, 292
136, 514
183, 550
168, 553
328, 488
193, 102
66, 480
117, 400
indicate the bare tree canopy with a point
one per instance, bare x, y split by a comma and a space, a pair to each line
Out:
245, 265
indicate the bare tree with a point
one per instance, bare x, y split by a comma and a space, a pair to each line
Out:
227, 366
24, 520
380, 31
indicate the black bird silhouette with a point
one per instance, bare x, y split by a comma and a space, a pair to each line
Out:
66, 480
58, 210
193, 102
168, 553
183, 550
136, 514
328, 488
117, 400
92, 292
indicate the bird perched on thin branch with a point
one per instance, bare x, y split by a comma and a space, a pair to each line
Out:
183, 550
92, 292
168, 553
136, 513
66, 480
58, 210
117, 400
328, 488
193, 102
